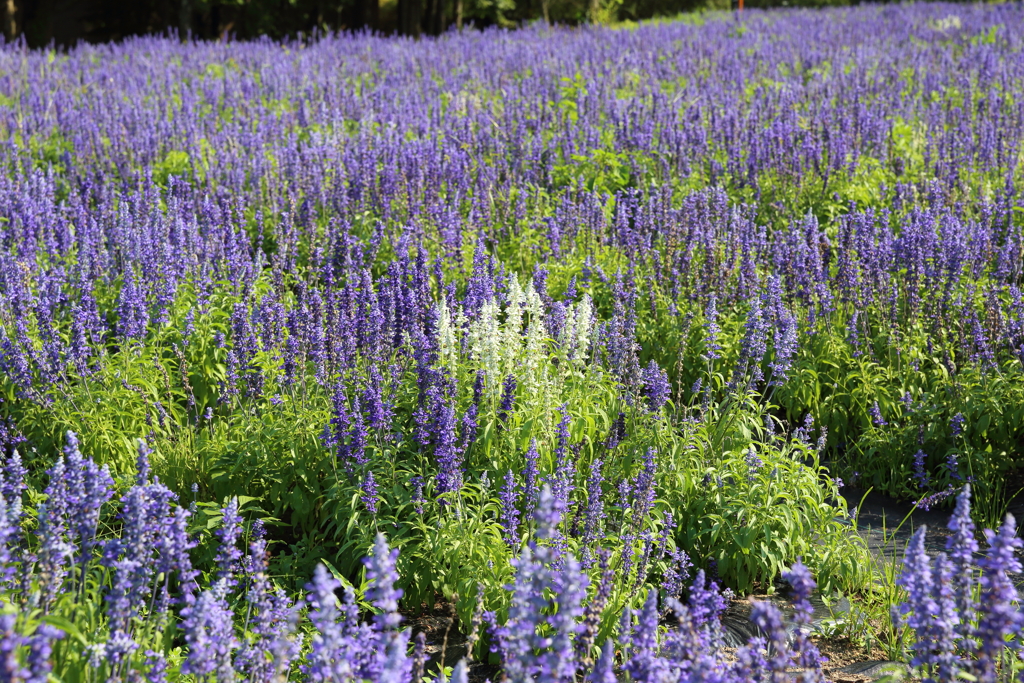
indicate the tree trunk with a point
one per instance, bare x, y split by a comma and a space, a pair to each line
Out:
373, 14
409, 17
11, 24
369, 14
37, 22
435, 22
184, 18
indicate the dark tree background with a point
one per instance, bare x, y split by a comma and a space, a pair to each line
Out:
65, 22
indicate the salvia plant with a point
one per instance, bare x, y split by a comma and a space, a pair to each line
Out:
962, 604
593, 310
129, 604
87, 605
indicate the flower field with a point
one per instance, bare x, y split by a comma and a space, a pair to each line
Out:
577, 332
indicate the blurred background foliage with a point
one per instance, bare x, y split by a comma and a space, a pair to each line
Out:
66, 22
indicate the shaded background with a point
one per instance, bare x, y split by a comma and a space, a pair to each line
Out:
65, 22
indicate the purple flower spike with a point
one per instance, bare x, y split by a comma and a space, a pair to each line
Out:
417, 494
768, 619
536, 642
876, 415
142, 463
269, 648
508, 398
419, 657
209, 632
712, 347
806, 655
604, 672
999, 617
530, 475
460, 674
40, 649
331, 656
799, 577
644, 663
920, 474
509, 498
656, 386
956, 425
382, 594
228, 533
961, 547
926, 605
706, 603
370, 493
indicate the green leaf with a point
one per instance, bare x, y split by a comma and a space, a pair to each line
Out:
66, 626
